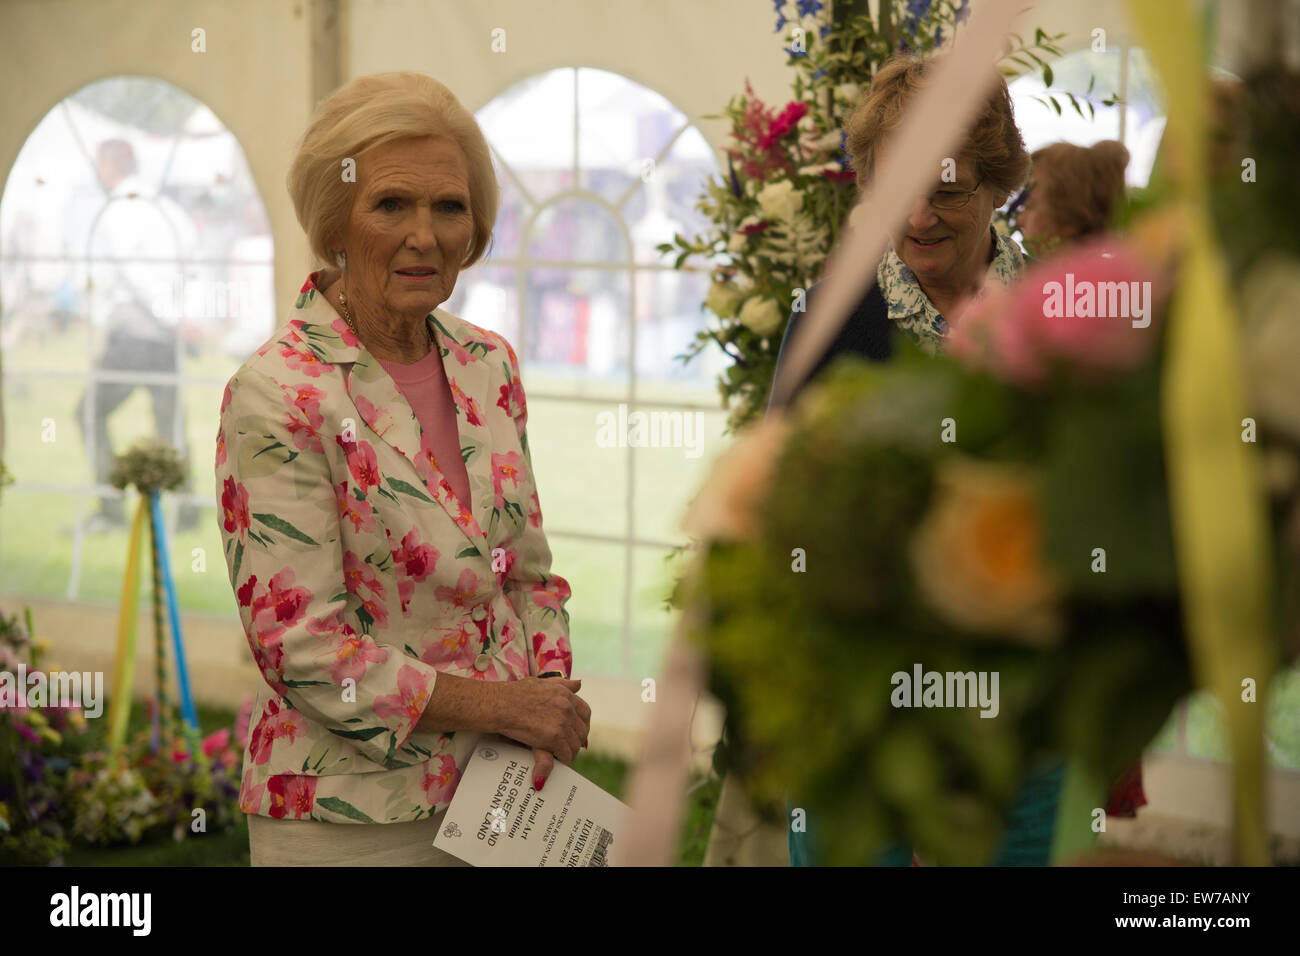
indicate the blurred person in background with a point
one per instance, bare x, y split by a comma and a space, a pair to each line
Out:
137, 247
1072, 194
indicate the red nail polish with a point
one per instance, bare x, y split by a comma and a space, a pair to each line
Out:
538, 783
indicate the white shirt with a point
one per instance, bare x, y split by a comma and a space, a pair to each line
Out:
138, 248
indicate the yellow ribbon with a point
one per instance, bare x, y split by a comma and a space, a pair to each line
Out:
1221, 535
124, 663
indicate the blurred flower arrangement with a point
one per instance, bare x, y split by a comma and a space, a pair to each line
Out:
60, 784
116, 800
151, 464
1000, 509
778, 212
38, 748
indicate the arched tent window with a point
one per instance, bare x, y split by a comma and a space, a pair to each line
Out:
135, 277
597, 170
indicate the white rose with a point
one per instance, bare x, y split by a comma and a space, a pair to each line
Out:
830, 141
849, 92
723, 300
780, 201
737, 242
760, 315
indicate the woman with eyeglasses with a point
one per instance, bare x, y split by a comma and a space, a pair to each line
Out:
941, 255
947, 248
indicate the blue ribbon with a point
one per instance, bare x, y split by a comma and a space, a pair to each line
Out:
173, 613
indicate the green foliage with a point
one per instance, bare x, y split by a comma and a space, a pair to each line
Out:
1105, 487
805, 662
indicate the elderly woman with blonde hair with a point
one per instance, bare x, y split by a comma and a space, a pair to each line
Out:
380, 515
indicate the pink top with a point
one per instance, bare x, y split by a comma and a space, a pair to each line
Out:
424, 385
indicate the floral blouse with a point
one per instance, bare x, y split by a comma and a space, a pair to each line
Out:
911, 309
359, 575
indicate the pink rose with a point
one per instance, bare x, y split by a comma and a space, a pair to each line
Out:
1089, 312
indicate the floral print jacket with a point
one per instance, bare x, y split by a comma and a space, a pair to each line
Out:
359, 575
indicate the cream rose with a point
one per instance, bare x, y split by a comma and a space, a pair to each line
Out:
780, 201
723, 300
849, 92
761, 315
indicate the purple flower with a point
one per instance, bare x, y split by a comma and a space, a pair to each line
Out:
916, 9
735, 182
963, 12
808, 7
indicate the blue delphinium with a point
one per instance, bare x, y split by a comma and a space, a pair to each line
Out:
963, 12
808, 8
781, 21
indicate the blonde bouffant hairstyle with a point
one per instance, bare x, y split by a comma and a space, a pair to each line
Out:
365, 113
993, 141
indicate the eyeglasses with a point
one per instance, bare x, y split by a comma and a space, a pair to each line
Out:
949, 199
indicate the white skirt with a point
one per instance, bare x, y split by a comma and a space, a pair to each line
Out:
274, 842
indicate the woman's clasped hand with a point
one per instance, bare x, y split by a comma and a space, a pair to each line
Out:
546, 714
